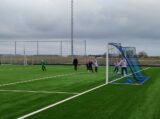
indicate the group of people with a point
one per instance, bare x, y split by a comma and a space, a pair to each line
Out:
123, 64
94, 63
89, 64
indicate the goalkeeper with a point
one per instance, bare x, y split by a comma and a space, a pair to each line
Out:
43, 65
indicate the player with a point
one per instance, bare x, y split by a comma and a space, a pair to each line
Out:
75, 63
90, 65
116, 67
87, 65
96, 65
123, 63
43, 65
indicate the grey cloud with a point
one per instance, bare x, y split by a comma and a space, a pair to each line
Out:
93, 18
99, 20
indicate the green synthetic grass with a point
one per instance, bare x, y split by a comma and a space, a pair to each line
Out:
15, 104
108, 102
113, 102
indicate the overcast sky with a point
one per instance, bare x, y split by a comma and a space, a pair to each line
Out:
130, 22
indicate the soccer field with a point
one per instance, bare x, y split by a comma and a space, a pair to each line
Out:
26, 89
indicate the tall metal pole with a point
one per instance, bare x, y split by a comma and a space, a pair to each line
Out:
61, 48
24, 53
72, 24
15, 47
37, 47
85, 43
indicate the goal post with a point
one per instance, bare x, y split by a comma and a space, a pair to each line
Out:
122, 65
107, 63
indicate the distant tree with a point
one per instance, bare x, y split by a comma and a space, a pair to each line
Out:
142, 54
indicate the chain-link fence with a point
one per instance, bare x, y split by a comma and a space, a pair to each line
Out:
32, 52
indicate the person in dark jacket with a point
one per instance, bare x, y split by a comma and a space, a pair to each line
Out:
75, 63
90, 65
87, 65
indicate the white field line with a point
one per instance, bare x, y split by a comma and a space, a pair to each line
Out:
65, 100
128, 75
126, 84
31, 80
60, 102
45, 92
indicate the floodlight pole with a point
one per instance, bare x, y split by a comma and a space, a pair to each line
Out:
61, 47
85, 42
107, 63
37, 47
15, 47
24, 53
72, 49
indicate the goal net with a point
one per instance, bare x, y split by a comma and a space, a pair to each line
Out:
122, 65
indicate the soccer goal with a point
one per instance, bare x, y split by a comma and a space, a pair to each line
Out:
122, 65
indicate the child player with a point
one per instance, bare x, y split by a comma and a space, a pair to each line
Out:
96, 65
116, 67
43, 65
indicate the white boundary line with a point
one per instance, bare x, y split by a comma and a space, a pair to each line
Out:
60, 102
31, 80
45, 92
67, 99
136, 84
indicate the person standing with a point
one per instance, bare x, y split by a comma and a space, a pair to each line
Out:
43, 65
116, 67
87, 66
96, 65
75, 63
123, 63
90, 65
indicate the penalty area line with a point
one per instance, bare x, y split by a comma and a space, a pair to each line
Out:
44, 92
136, 84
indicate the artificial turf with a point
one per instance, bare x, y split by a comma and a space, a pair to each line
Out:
15, 104
113, 102
108, 102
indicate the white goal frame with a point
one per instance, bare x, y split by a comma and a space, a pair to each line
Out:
107, 64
